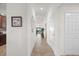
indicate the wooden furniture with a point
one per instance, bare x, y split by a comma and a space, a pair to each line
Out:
2, 21
2, 39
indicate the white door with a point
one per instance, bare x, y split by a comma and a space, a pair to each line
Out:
72, 33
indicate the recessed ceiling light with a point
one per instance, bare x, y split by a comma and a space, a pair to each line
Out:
41, 8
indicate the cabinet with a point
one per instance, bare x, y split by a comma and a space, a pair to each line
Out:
2, 22
2, 39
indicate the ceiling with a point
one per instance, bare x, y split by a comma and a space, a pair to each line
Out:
2, 8
43, 8
41, 11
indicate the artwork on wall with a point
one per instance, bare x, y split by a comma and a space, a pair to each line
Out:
16, 21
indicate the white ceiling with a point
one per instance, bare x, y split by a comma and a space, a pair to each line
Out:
3, 8
45, 7
41, 15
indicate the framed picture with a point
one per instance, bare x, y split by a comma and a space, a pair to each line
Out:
16, 21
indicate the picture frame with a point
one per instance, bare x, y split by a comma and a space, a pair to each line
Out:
16, 21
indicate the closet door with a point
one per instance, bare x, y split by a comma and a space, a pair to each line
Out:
72, 33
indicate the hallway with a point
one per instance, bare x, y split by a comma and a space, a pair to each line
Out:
42, 48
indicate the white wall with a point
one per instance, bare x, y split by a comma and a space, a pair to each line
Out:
16, 40
33, 39
53, 30
57, 32
59, 16
3, 8
64, 9
19, 41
